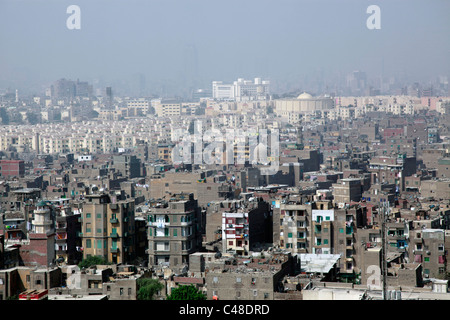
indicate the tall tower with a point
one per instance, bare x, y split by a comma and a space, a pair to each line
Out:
109, 97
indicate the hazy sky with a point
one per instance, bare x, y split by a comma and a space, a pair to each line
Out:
192, 42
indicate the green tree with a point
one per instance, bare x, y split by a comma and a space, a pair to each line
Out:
32, 118
186, 292
92, 261
4, 115
147, 288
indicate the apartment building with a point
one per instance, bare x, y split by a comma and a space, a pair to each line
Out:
168, 109
322, 230
12, 168
108, 228
347, 224
174, 230
347, 190
251, 278
245, 228
435, 188
392, 170
427, 246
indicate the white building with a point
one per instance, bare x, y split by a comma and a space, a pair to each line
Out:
241, 90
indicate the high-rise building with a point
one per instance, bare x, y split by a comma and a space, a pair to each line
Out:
108, 228
174, 231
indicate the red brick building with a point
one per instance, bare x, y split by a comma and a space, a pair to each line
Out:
12, 168
40, 251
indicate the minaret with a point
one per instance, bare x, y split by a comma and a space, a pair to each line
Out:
42, 222
17, 95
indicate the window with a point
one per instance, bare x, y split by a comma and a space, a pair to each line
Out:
290, 235
99, 215
341, 230
88, 215
238, 279
88, 243
426, 259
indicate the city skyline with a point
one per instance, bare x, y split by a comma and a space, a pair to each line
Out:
175, 47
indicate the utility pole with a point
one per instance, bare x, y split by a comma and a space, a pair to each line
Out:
385, 211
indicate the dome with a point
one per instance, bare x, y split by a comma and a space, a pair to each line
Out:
305, 96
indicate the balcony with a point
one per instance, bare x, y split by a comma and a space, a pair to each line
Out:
114, 235
114, 250
113, 220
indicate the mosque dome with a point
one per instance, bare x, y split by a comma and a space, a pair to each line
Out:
304, 96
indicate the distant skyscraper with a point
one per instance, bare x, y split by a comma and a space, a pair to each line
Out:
83, 89
108, 96
63, 89
356, 83
138, 85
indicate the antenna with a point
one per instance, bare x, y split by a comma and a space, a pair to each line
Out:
384, 211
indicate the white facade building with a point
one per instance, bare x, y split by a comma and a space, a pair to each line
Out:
241, 90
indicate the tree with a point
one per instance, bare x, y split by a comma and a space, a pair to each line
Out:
32, 117
92, 261
4, 115
147, 288
186, 292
